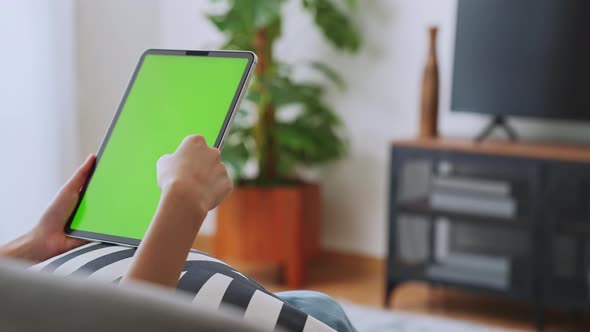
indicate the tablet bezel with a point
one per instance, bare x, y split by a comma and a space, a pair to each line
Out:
238, 96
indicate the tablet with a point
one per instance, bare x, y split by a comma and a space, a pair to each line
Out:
172, 94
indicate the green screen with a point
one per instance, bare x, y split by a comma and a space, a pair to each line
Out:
172, 97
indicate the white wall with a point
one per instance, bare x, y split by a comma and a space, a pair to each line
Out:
111, 35
36, 107
381, 103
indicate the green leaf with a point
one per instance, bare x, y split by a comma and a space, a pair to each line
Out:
337, 27
265, 12
248, 15
352, 4
316, 136
284, 91
330, 73
219, 21
274, 29
235, 154
253, 96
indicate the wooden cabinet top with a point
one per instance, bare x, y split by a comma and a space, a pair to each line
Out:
549, 151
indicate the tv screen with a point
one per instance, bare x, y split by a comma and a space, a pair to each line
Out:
525, 58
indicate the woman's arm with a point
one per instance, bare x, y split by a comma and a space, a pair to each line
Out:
47, 238
193, 181
19, 248
162, 253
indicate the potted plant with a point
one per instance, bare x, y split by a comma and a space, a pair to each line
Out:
274, 216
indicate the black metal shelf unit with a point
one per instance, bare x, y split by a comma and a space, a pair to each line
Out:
539, 188
568, 187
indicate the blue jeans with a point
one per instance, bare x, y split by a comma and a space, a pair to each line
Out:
319, 306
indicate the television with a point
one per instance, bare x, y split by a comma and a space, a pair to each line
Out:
522, 58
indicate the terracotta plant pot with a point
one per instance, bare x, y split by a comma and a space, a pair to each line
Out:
277, 225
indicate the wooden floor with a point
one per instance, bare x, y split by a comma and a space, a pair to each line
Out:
361, 280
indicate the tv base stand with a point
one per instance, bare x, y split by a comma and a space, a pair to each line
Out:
500, 122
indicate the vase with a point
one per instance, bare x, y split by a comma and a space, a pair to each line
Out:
430, 91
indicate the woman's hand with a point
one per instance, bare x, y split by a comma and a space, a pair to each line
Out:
196, 170
193, 181
47, 238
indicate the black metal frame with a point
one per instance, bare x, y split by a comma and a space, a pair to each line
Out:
539, 221
575, 298
498, 121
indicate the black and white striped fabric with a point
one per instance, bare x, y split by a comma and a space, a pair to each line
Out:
213, 283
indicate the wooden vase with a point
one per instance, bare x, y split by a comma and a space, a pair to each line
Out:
430, 91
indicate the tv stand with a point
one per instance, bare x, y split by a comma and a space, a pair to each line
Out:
549, 185
501, 122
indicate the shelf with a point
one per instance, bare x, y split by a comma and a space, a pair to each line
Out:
417, 272
578, 228
500, 148
422, 206
542, 178
570, 293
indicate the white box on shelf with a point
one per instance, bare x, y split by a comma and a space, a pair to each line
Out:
474, 185
442, 235
504, 207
